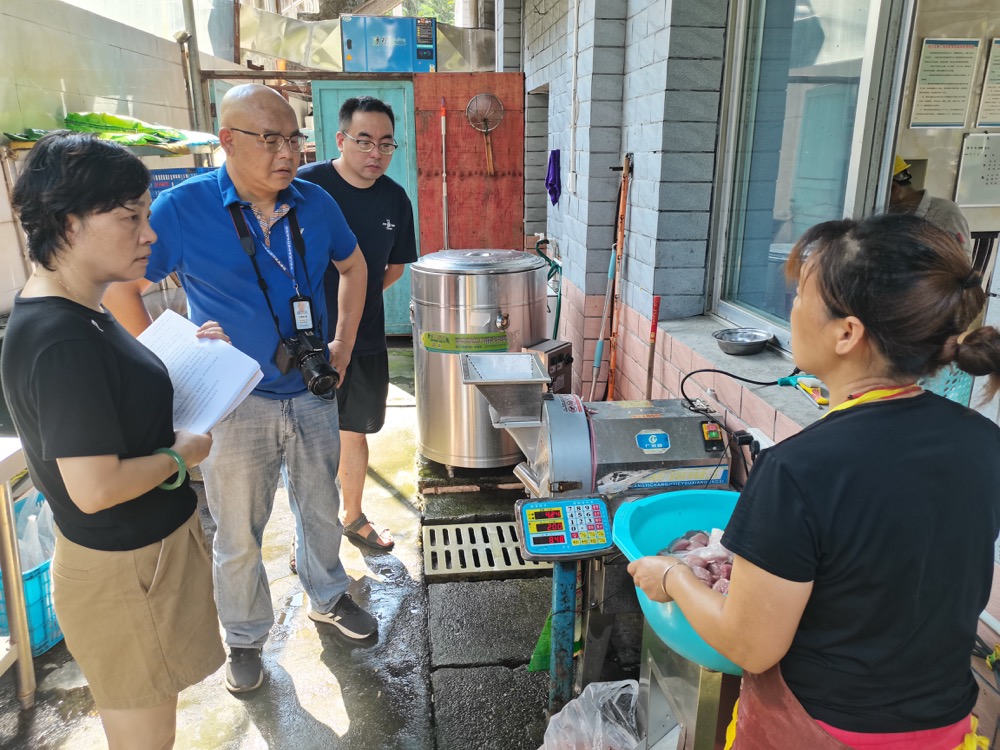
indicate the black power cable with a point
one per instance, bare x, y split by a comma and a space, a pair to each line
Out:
706, 410
693, 407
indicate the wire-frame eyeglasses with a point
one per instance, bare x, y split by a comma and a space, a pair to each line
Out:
367, 146
274, 141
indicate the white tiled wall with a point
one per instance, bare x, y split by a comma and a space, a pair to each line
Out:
57, 58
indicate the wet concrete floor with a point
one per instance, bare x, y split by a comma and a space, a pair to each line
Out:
321, 691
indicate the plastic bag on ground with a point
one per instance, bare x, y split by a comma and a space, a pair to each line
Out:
601, 718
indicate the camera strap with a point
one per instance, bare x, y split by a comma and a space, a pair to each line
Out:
250, 248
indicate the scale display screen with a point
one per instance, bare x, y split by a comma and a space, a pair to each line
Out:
534, 515
563, 529
551, 539
547, 526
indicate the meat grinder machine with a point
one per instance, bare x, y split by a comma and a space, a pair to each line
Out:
605, 452
603, 447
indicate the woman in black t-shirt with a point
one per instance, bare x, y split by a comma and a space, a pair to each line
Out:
864, 544
93, 407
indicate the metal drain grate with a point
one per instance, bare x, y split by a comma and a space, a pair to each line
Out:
465, 548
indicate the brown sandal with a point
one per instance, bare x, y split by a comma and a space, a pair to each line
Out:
373, 539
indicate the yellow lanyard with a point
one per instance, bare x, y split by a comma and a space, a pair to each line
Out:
879, 394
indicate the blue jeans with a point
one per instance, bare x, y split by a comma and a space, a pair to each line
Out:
250, 447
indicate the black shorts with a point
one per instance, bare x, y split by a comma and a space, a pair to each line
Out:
362, 395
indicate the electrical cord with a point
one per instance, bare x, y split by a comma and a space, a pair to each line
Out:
555, 271
691, 403
707, 410
992, 688
742, 438
722, 458
610, 596
990, 656
610, 559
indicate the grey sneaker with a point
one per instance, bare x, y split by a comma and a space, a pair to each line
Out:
348, 618
243, 670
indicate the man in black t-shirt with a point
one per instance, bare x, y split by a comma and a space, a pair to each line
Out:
379, 213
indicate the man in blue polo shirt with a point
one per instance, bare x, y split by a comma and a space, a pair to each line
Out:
251, 245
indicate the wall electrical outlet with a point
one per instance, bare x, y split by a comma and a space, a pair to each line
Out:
760, 437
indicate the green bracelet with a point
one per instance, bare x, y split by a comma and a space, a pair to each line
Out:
181, 469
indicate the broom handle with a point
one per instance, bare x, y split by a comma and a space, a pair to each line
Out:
652, 347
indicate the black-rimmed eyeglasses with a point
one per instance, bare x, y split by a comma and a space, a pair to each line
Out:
367, 146
274, 141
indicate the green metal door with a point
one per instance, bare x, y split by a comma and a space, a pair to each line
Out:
327, 98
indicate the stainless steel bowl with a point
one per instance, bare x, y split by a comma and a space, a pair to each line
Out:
742, 340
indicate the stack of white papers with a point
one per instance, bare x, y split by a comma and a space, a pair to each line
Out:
210, 377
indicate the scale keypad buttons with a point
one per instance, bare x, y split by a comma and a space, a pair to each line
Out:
558, 529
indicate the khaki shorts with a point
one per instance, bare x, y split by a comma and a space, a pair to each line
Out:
141, 624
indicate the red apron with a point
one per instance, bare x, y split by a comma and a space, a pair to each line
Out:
771, 718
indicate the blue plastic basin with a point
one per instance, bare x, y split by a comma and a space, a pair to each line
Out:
644, 527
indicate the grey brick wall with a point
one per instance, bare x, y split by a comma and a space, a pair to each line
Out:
536, 150
649, 74
583, 222
487, 14
507, 22
672, 94
545, 52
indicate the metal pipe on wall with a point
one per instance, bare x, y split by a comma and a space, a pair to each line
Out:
467, 13
182, 38
202, 122
444, 173
575, 109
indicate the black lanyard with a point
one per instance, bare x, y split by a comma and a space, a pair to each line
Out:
250, 247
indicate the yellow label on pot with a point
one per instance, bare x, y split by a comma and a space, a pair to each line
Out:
457, 343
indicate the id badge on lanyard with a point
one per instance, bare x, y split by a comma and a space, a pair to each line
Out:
302, 313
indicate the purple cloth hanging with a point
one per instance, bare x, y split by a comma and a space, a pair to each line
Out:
552, 182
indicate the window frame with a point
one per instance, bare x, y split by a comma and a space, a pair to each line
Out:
872, 143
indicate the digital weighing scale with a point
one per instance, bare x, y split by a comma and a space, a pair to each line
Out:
563, 528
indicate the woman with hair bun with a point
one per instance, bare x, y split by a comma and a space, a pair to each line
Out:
864, 544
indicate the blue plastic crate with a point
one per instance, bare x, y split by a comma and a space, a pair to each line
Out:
42, 624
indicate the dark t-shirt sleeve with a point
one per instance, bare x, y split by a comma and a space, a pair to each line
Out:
405, 249
771, 526
77, 407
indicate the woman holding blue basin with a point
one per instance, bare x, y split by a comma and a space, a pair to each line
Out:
864, 544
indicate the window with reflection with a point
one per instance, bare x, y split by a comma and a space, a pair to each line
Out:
801, 77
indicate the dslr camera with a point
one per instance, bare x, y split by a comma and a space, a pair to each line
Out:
305, 351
